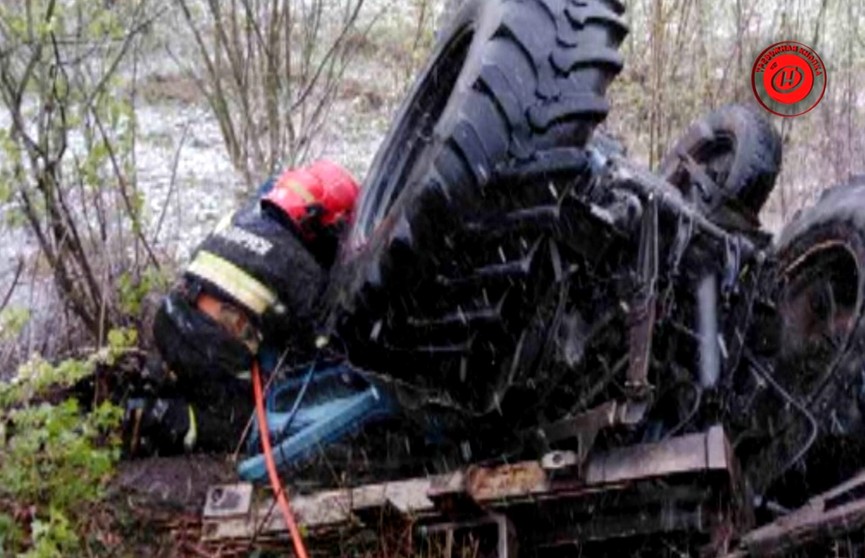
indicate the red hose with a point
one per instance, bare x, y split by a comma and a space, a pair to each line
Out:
278, 490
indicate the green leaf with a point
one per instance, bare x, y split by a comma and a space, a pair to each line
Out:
12, 321
122, 338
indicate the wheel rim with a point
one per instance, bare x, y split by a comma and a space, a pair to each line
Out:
819, 302
717, 156
413, 136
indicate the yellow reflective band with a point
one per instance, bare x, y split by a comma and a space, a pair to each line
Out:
299, 189
246, 289
224, 223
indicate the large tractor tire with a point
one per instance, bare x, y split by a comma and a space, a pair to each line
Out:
738, 149
446, 266
822, 290
821, 346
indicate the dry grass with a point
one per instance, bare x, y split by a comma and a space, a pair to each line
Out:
170, 88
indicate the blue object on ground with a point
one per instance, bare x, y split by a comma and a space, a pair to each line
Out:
319, 409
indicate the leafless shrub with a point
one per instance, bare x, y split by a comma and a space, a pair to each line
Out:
270, 70
67, 159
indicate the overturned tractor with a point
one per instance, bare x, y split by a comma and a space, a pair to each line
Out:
508, 274
512, 289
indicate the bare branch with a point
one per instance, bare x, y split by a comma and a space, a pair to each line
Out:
15, 279
280, 74
173, 182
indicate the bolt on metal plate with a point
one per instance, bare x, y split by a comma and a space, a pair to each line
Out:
228, 500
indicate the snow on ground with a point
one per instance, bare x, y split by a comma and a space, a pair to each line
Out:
206, 186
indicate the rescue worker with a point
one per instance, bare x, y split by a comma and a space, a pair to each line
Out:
251, 290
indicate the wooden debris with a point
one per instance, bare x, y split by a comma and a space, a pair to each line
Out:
831, 515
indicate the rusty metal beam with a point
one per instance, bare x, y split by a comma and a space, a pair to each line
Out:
489, 490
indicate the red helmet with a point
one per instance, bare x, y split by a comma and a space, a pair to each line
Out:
322, 187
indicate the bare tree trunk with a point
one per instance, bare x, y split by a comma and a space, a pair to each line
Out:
657, 54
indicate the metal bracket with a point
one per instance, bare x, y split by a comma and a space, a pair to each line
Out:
643, 309
681, 243
228, 500
584, 428
709, 189
559, 461
732, 267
